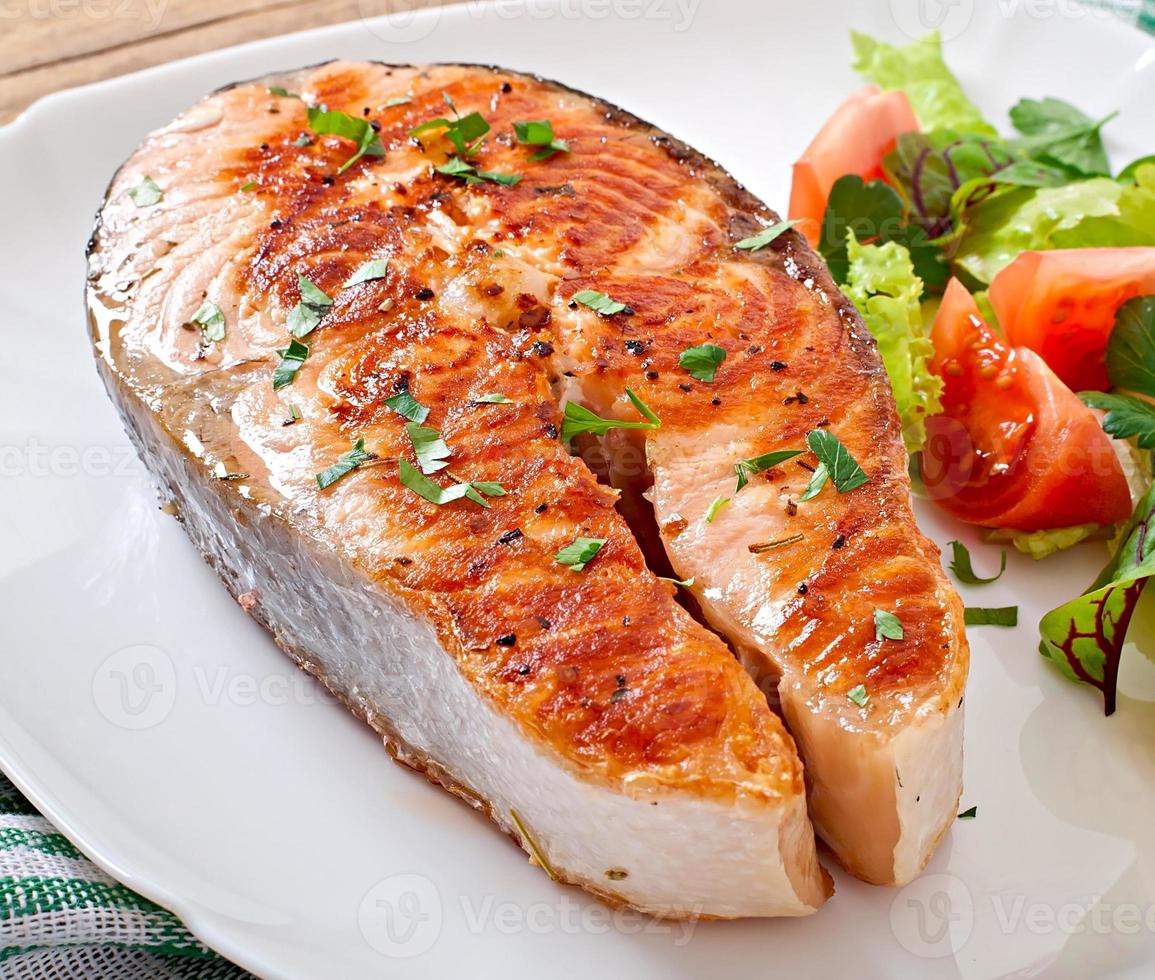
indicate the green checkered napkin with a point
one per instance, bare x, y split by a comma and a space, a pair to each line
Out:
61, 916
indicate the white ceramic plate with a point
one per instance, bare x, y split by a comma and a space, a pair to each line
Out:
145, 714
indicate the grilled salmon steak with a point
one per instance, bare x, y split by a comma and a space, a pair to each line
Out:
408, 350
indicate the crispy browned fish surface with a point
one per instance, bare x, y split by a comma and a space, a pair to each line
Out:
585, 711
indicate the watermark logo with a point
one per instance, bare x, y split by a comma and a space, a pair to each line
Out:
401, 916
399, 21
933, 916
916, 17
135, 687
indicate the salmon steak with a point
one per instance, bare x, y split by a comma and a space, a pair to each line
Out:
558, 459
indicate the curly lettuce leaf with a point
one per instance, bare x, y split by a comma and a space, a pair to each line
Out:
882, 283
1086, 214
1084, 637
919, 70
1042, 544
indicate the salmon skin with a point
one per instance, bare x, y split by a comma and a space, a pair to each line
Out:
347, 370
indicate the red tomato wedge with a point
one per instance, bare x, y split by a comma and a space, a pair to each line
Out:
1014, 447
854, 140
1062, 305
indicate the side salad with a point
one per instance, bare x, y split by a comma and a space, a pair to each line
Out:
1009, 281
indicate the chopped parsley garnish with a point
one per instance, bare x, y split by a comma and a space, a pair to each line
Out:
146, 193
249, 186
211, 321
842, 467
539, 133
997, 616
858, 695
406, 405
599, 302
431, 450
887, 625
424, 487
969, 814
746, 468
345, 465
284, 93
456, 167
375, 269
765, 237
580, 553
292, 357
817, 482
716, 505
464, 132
578, 419
703, 361
294, 413
494, 399
326, 122
303, 140
960, 565
306, 315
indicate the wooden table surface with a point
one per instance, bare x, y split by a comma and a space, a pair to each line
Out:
48, 45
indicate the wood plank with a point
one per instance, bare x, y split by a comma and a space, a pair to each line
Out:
136, 48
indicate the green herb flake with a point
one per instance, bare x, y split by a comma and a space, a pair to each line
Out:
465, 132
859, 696
396, 101
539, 133
294, 413
492, 399
211, 321
345, 465
765, 236
325, 122
969, 814
305, 317
746, 468
960, 565
996, 616
578, 419
404, 404
375, 269
818, 480
887, 626
426, 488
580, 553
842, 467
456, 167
284, 93
311, 294
292, 357
703, 361
146, 193
251, 185
599, 302
432, 452
715, 506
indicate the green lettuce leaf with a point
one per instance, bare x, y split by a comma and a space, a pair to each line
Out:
882, 283
1084, 637
1042, 544
919, 70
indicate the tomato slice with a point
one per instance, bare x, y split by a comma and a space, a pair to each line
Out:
1014, 447
1062, 304
862, 131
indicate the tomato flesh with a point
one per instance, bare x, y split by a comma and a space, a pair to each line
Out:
1062, 305
854, 140
1014, 447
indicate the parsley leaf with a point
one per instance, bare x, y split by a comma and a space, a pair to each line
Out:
292, 357
969, 814
374, 269
580, 553
456, 167
765, 236
311, 294
858, 695
345, 465
146, 193
842, 467
715, 506
464, 132
424, 487
703, 361
1127, 417
284, 93
599, 302
746, 468
431, 450
306, 315
539, 133
997, 616
1131, 348
578, 419
211, 320
960, 565
494, 399
406, 405
817, 482
887, 626
1055, 131
326, 122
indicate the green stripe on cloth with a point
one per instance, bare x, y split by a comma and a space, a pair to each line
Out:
55, 844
